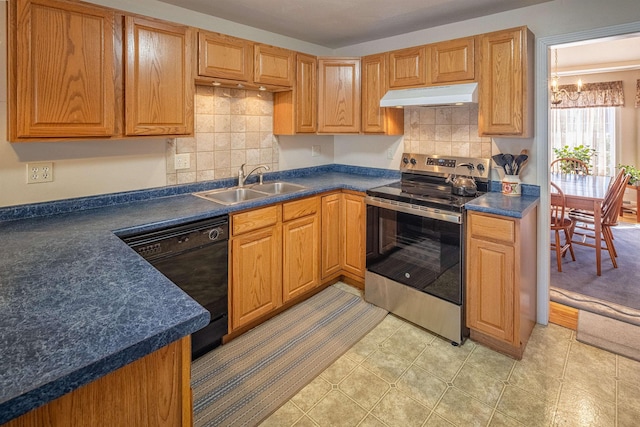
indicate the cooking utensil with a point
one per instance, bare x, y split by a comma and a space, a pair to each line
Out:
499, 159
508, 163
519, 160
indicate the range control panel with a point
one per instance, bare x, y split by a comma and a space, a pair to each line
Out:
445, 165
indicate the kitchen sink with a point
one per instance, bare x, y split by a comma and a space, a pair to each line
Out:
231, 196
278, 187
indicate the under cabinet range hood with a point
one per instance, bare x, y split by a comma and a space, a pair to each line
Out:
432, 96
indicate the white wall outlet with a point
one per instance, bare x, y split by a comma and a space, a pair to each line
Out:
39, 172
390, 153
315, 150
182, 161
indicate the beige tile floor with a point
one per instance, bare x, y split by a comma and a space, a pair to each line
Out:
401, 375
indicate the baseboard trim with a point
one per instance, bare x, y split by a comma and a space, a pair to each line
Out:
563, 315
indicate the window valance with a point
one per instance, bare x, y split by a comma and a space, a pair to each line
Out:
601, 94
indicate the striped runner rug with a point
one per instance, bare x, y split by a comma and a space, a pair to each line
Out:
243, 382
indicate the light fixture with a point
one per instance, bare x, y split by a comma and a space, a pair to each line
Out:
262, 88
216, 84
555, 92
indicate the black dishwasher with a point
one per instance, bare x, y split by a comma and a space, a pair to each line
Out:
194, 257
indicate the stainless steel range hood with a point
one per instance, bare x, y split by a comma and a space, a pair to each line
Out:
431, 96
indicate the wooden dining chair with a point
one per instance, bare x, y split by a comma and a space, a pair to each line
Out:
583, 222
560, 223
569, 165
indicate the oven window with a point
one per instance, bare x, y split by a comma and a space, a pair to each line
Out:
420, 252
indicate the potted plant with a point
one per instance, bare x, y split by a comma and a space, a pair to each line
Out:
579, 152
634, 179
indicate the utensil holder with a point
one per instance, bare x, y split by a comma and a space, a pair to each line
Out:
511, 185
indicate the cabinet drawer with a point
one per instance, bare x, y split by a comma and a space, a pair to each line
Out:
492, 228
299, 208
255, 219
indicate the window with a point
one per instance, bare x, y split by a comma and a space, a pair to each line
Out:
593, 127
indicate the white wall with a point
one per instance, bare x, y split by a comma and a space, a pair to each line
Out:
296, 151
368, 150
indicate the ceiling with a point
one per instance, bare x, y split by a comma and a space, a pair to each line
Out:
599, 55
339, 23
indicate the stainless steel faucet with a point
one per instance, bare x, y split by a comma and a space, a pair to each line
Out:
242, 178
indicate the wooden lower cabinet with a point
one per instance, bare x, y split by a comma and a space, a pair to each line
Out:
152, 391
353, 224
501, 280
300, 247
343, 236
256, 264
331, 261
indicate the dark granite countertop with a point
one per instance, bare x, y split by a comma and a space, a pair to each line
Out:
498, 204
78, 303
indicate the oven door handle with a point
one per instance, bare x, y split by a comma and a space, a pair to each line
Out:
410, 209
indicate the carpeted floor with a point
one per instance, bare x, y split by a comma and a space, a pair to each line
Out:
619, 286
243, 382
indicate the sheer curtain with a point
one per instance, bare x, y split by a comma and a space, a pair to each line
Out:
593, 127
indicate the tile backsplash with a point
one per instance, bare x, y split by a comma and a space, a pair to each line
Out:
446, 131
232, 127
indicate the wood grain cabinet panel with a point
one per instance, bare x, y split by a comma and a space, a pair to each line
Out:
331, 256
503, 106
154, 391
353, 217
273, 65
408, 67
453, 61
387, 121
501, 280
306, 94
224, 56
296, 111
256, 275
300, 255
339, 95
159, 78
61, 70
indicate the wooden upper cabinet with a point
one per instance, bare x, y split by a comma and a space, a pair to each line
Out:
306, 93
61, 70
388, 121
273, 65
408, 67
224, 57
159, 78
503, 108
339, 95
453, 61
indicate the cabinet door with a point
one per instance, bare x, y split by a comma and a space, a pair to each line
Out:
339, 95
273, 65
388, 121
61, 70
159, 78
331, 250
408, 67
300, 246
353, 234
306, 94
453, 61
256, 274
490, 289
502, 88
224, 56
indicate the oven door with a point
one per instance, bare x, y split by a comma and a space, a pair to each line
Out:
417, 247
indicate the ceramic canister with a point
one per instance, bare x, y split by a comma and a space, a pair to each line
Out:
511, 185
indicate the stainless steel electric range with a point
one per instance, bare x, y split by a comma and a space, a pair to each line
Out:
415, 242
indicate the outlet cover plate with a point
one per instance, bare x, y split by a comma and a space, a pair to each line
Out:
39, 172
183, 161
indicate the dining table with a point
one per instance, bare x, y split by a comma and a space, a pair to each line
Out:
586, 192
